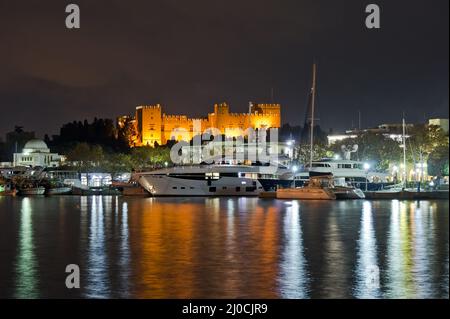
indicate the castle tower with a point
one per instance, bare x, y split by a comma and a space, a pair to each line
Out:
265, 116
221, 112
149, 125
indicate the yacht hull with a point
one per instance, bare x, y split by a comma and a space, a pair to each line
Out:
306, 193
163, 185
32, 191
59, 191
348, 193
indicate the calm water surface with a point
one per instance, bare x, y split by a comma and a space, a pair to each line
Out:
223, 248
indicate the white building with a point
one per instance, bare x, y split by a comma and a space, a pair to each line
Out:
442, 123
36, 153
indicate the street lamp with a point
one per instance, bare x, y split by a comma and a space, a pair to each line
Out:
366, 168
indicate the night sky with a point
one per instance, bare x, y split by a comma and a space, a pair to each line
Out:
188, 55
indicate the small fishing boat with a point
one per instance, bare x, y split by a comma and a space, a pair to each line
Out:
58, 190
55, 187
7, 191
32, 191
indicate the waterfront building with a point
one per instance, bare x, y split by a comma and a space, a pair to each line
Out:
36, 153
442, 123
393, 131
154, 127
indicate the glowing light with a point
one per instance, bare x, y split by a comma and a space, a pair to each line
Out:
337, 157
294, 168
366, 166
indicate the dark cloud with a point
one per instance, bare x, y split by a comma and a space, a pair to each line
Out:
188, 55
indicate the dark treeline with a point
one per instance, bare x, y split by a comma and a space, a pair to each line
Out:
302, 134
102, 132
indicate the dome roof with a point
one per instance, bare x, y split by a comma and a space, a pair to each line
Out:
35, 145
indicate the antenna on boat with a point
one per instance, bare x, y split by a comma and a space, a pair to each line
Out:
313, 100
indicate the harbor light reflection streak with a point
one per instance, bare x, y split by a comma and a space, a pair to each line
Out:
367, 269
293, 279
97, 273
26, 266
124, 261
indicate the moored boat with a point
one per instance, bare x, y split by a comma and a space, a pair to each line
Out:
130, 188
58, 190
202, 180
32, 191
7, 191
343, 190
318, 188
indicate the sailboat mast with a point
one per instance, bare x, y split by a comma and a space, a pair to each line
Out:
313, 100
404, 152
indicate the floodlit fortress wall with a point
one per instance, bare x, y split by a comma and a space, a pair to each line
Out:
155, 127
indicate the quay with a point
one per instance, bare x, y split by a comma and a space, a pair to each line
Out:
408, 195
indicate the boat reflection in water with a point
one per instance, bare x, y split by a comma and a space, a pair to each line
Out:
223, 248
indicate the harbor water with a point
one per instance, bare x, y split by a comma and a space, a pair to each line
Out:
134, 247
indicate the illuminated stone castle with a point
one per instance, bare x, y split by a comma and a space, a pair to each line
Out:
153, 126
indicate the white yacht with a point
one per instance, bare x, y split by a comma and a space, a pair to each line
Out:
202, 180
353, 172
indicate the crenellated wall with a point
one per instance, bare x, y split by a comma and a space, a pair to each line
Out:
155, 127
